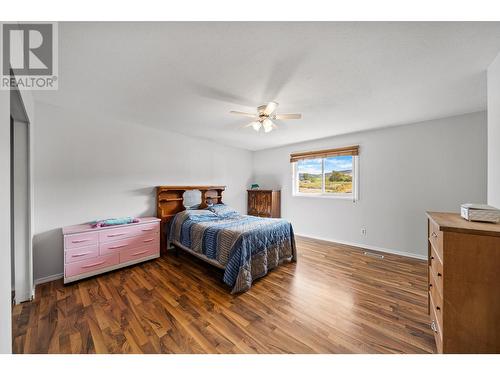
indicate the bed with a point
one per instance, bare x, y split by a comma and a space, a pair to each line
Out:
245, 247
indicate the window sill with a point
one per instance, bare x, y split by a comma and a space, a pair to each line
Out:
324, 196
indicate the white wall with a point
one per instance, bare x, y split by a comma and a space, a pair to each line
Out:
494, 133
23, 282
88, 167
404, 171
5, 275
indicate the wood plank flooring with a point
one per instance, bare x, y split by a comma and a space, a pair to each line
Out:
334, 299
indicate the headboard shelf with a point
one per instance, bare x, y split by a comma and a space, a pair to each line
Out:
204, 187
170, 201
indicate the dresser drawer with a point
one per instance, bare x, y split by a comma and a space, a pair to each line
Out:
437, 299
148, 228
436, 238
81, 253
129, 243
119, 233
89, 265
436, 327
80, 240
436, 270
129, 255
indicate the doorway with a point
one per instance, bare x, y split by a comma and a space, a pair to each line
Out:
20, 166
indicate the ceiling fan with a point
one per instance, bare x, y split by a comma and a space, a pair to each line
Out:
264, 116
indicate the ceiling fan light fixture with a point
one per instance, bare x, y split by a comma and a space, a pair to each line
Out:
264, 116
268, 125
256, 125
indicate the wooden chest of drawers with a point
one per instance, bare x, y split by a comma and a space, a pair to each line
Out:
464, 284
264, 203
90, 251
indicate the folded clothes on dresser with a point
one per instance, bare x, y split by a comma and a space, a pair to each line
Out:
114, 221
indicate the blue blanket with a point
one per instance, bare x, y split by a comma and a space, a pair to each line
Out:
247, 247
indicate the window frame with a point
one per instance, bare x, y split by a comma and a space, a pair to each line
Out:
354, 196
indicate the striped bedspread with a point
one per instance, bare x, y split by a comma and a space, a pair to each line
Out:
246, 246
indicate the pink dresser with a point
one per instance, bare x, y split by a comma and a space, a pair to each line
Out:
90, 251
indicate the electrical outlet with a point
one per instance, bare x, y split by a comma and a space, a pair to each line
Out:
363, 231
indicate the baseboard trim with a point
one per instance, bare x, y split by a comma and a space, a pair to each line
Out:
46, 279
368, 247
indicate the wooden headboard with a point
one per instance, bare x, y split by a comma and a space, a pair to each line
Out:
170, 201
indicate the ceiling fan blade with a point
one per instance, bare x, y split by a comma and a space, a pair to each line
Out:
253, 115
270, 108
268, 125
288, 116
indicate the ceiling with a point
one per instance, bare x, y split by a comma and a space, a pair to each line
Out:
342, 76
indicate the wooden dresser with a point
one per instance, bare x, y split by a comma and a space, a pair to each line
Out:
464, 284
264, 203
90, 251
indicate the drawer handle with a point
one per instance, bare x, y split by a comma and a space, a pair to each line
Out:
430, 285
439, 274
139, 253
80, 254
151, 239
116, 234
434, 234
117, 247
433, 326
432, 258
94, 264
80, 241
438, 308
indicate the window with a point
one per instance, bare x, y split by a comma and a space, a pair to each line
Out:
329, 173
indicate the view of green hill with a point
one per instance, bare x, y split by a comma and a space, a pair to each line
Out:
335, 182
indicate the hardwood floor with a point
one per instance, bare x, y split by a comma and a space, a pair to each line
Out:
333, 300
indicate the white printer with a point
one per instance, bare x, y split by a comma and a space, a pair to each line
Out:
480, 212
